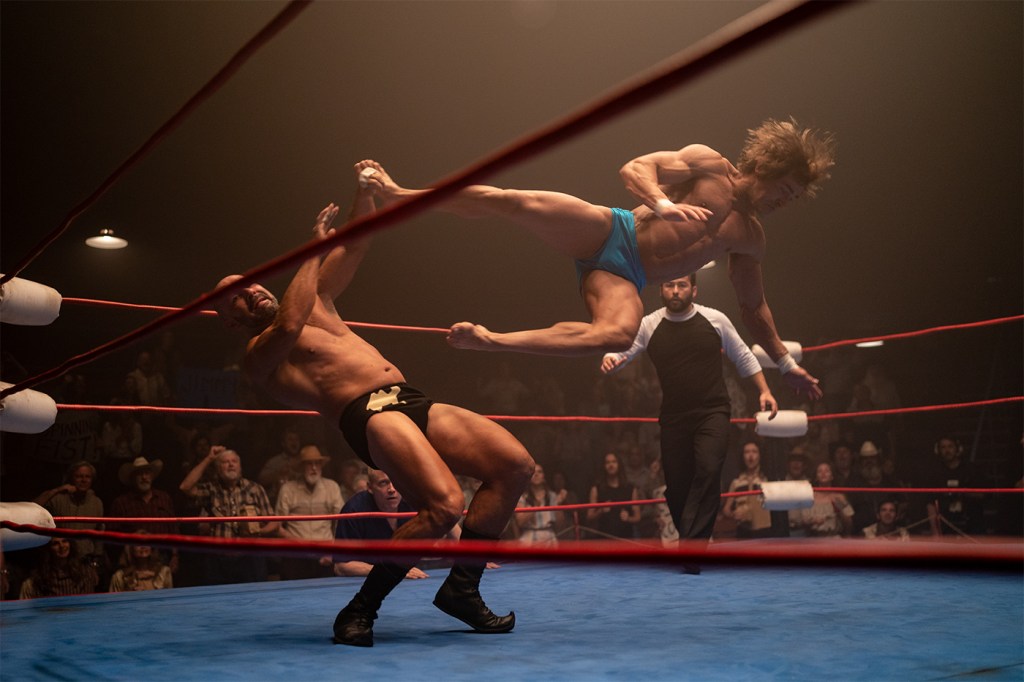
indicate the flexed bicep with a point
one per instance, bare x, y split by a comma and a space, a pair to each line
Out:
648, 176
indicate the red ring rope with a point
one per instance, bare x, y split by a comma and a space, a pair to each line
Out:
920, 332
807, 349
213, 313
531, 418
923, 555
519, 510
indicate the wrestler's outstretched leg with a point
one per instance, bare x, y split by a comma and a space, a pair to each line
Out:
566, 223
616, 311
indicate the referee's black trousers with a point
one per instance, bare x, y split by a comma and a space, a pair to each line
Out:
693, 449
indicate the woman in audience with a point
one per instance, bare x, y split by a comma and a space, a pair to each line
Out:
831, 516
140, 569
752, 520
612, 486
60, 572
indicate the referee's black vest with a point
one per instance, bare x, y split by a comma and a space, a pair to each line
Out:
688, 358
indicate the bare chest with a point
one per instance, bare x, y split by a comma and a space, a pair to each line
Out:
328, 367
673, 249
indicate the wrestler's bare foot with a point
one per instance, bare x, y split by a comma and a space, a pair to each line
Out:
469, 336
373, 177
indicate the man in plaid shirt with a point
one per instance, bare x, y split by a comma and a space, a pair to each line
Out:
230, 494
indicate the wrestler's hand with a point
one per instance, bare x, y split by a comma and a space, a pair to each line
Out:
803, 383
611, 362
768, 403
415, 574
469, 336
322, 228
680, 213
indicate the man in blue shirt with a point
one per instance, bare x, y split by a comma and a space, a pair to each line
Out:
381, 496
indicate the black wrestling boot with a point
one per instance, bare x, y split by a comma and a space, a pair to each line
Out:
459, 596
354, 624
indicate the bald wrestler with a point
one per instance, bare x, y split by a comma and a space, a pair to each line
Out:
302, 351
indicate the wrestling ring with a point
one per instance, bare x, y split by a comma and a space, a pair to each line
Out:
779, 609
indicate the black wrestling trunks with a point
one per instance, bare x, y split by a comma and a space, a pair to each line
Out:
400, 397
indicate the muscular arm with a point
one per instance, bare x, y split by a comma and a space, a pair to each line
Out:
645, 175
341, 263
271, 348
745, 273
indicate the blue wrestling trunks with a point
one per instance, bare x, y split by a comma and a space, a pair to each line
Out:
619, 254
398, 397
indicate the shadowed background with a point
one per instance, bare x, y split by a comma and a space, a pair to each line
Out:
919, 226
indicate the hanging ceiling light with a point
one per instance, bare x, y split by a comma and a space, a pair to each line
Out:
106, 240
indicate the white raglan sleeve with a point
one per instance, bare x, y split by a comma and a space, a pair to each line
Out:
735, 349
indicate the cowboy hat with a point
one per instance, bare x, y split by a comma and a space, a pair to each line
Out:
869, 449
129, 469
311, 453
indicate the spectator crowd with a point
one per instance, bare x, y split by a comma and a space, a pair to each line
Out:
162, 466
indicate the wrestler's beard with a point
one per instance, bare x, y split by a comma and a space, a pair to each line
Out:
264, 315
677, 305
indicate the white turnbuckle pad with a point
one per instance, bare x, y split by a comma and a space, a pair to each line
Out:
787, 424
785, 495
28, 303
26, 411
26, 513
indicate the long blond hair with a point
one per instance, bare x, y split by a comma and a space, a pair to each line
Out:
775, 149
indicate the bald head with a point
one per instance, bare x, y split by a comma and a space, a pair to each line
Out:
250, 308
383, 491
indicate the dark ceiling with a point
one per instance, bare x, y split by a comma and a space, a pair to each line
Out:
919, 226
